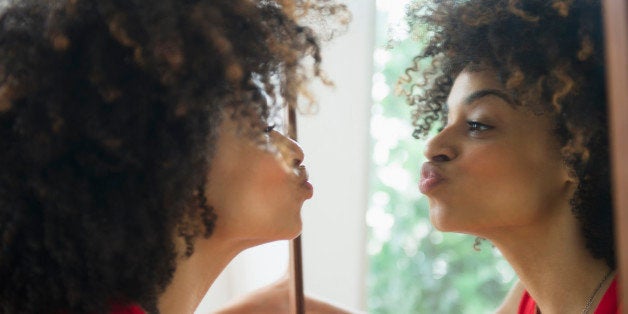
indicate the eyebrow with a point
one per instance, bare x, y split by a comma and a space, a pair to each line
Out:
486, 92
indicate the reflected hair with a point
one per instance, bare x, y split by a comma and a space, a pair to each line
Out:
549, 54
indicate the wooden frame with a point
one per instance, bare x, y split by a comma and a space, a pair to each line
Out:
296, 295
616, 36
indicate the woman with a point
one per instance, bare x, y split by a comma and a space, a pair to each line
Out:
516, 90
138, 149
517, 93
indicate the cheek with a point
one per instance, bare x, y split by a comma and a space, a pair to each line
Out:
484, 170
513, 187
505, 168
269, 208
492, 186
264, 191
268, 177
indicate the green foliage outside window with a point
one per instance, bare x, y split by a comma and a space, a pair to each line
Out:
412, 267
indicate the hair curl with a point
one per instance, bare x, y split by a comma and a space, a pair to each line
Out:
108, 117
550, 55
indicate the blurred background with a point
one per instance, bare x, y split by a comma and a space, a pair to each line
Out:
367, 240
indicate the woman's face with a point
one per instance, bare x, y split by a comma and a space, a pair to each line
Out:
494, 166
256, 187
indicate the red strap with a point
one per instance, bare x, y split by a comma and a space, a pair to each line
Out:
608, 304
527, 304
127, 309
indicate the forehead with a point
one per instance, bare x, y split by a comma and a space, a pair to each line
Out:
468, 82
470, 86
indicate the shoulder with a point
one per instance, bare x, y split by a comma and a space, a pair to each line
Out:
514, 300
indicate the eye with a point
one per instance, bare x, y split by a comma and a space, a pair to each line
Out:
269, 128
476, 127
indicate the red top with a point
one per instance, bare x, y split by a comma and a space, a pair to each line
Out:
608, 304
130, 309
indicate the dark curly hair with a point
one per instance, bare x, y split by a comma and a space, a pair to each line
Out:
108, 117
549, 54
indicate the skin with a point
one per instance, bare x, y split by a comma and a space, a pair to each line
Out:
256, 187
257, 190
274, 299
501, 165
502, 178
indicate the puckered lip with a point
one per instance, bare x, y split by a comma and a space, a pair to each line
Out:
305, 183
431, 176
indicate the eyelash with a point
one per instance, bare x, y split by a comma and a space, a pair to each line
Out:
475, 126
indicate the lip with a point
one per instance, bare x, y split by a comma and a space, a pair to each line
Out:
431, 177
305, 183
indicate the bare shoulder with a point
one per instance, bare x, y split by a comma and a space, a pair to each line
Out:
510, 305
274, 299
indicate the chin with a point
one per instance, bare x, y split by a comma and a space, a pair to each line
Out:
441, 222
440, 226
449, 226
295, 232
286, 232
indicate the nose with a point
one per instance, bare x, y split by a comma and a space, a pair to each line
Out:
290, 149
298, 154
441, 148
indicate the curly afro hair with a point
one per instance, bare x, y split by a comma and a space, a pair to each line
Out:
108, 117
549, 54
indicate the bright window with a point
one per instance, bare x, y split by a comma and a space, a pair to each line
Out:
414, 268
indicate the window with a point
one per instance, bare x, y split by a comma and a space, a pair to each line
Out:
414, 268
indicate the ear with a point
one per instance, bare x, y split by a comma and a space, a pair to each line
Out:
569, 176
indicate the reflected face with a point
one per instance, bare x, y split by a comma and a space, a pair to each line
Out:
256, 187
494, 166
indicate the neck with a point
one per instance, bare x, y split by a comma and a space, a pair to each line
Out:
194, 275
549, 256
